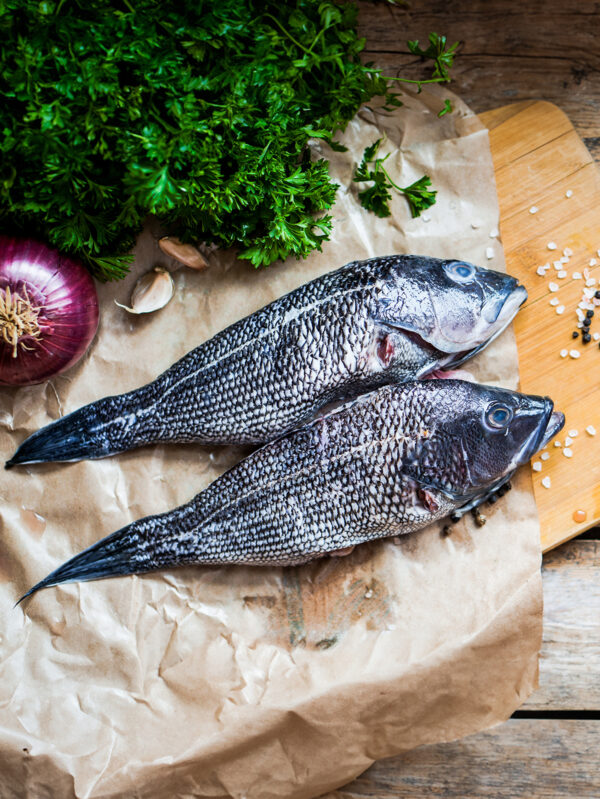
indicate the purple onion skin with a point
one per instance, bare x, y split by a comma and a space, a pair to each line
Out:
68, 318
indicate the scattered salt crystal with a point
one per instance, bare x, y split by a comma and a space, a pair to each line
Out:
568, 453
489, 253
551, 245
541, 271
494, 233
593, 262
564, 353
574, 354
534, 209
576, 275
568, 441
557, 265
561, 274
544, 456
553, 286
580, 314
425, 218
554, 301
557, 444
567, 251
536, 466
596, 336
474, 225
590, 430
564, 259
586, 273
582, 304
573, 433
546, 482
560, 309
591, 281
579, 324
568, 193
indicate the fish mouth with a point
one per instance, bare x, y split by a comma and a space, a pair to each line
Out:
553, 423
498, 315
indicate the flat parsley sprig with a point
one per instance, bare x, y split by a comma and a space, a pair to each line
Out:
376, 198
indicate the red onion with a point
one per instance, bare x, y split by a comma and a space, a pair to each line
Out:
48, 311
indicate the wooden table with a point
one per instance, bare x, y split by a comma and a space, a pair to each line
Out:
550, 748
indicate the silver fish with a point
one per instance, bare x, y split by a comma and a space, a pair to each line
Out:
365, 325
386, 464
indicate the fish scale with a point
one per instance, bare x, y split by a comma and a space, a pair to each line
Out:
365, 325
361, 472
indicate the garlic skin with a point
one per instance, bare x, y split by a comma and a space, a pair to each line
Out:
186, 254
151, 293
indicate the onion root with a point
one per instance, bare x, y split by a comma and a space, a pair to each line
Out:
18, 318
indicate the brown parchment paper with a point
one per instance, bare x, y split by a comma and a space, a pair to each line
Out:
257, 683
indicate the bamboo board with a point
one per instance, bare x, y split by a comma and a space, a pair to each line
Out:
538, 156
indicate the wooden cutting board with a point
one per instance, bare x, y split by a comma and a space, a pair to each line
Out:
538, 157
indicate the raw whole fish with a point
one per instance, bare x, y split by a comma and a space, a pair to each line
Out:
390, 462
368, 324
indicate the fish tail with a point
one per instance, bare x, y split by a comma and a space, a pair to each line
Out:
102, 428
117, 554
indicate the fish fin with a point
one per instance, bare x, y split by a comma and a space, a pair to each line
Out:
94, 431
115, 555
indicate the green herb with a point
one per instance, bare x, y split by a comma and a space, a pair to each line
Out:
377, 197
198, 112
442, 57
446, 109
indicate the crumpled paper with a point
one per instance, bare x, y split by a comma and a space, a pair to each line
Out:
257, 682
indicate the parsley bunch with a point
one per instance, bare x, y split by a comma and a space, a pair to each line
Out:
196, 111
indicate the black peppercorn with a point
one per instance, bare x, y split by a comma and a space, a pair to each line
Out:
575, 334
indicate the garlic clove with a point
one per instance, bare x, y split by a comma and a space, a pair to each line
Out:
151, 293
185, 253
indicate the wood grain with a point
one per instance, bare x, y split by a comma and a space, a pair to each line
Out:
570, 657
509, 51
538, 156
528, 758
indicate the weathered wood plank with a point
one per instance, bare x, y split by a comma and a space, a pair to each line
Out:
570, 657
508, 52
530, 758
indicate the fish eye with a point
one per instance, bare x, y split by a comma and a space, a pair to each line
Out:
460, 271
498, 416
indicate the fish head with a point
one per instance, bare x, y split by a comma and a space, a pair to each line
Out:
478, 435
452, 306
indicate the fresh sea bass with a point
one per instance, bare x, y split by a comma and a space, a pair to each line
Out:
388, 463
363, 326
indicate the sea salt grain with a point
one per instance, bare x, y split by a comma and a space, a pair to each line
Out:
562, 274
567, 251
475, 225
557, 265
573, 433
494, 233
574, 354
553, 286
568, 453
557, 444
489, 253
568, 193
425, 218
596, 336
568, 441
546, 482
537, 466
541, 271
564, 353
554, 301
593, 262
576, 275
551, 245
560, 309
590, 430
545, 456
534, 209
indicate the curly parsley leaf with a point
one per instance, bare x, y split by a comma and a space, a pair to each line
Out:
446, 109
376, 198
442, 56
